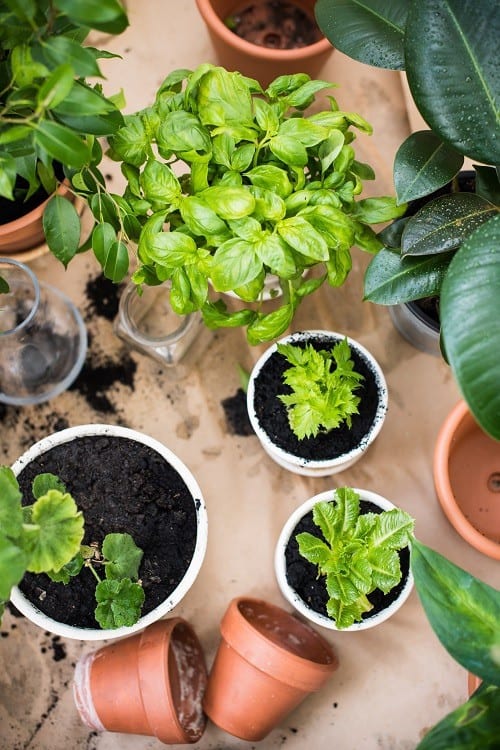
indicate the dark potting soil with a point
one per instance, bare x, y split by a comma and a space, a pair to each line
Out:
121, 486
427, 310
12, 210
236, 412
274, 24
272, 415
303, 577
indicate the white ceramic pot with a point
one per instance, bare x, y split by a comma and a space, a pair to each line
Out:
68, 631
293, 597
307, 466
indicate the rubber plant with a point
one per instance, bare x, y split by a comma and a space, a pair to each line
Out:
51, 116
464, 612
228, 185
451, 246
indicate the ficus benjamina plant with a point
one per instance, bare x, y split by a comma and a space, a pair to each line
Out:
46, 537
355, 553
228, 185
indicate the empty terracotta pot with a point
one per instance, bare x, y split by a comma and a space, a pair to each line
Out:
150, 683
268, 661
467, 480
253, 60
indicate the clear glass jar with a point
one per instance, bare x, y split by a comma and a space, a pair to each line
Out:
148, 324
43, 340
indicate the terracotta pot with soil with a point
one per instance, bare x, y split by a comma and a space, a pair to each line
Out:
265, 38
21, 226
467, 480
124, 482
266, 664
306, 590
328, 452
151, 683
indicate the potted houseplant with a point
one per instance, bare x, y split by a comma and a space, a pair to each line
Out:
467, 480
451, 249
464, 612
51, 118
228, 184
148, 495
265, 39
267, 662
316, 400
150, 683
343, 559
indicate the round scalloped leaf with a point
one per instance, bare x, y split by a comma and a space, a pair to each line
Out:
60, 531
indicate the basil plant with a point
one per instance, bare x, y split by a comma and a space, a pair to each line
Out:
229, 185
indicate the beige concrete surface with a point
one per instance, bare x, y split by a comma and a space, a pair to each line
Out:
394, 681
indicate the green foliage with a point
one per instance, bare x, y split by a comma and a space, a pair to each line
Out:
323, 384
448, 49
50, 116
464, 612
356, 554
46, 537
265, 190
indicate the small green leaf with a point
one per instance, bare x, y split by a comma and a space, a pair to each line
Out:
13, 563
42, 483
62, 144
303, 237
313, 549
8, 173
377, 210
61, 224
269, 326
11, 516
56, 87
216, 315
111, 254
68, 571
235, 263
60, 531
123, 556
119, 603
104, 15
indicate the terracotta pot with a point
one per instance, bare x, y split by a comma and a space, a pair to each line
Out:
262, 63
467, 480
406, 584
27, 231
318, 467
29, 610
473, 683
151, 683
267, 663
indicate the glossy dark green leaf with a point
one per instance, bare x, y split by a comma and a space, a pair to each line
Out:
463, 611
62, 144
444, 223
84, 101
391, 280
391, 235
452, 71
60, 50
104, 15
474, 725
423, 164
61, 225
111, 253
488, 184
471, 294
370, 31
56, 87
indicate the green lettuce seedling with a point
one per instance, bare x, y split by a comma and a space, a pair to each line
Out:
357, 554
46, 537
323, 384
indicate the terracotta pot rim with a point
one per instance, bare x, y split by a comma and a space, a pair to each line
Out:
35, 214
296, 601
263, 53
301, 672
94, 634
458, 415
329, 466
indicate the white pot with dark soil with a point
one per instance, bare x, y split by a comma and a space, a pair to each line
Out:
124, 482
331, 449
349, 549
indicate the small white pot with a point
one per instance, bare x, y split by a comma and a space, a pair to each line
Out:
291, 595
30, 611
306, 466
